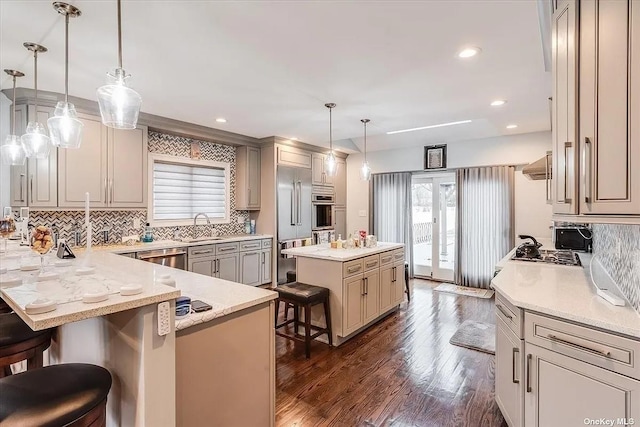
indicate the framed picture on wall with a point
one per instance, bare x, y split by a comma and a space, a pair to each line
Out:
435, 156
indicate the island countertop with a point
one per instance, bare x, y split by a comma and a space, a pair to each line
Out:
340, 255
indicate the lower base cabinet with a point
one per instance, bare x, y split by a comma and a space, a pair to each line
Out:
509, 368
563, 391
265, 267
227, 267
250, 268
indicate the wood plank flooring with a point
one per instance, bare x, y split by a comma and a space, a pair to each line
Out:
401, 372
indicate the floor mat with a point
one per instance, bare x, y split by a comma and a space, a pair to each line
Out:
464, 290
476, 336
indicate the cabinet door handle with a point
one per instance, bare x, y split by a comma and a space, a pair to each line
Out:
218, 266
587, 170
547, 176
504, 312
263, 257
567, 146
514, 360
230, 248
208, 251
250, 253
111, 191
372, 264
106, 189
366, 286
604, 353
31, 187
294, 202
529, 357
22, 179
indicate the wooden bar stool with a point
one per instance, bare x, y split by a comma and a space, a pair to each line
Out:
301, 295
70, 395
291, 277
19, 342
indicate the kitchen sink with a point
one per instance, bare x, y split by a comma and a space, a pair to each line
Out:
201, 239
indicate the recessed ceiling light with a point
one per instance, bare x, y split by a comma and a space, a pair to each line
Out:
512, 126
469, 52
294, 138
498, 102
430, 127
221, 120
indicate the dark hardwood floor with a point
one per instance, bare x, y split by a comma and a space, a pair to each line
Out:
400, 372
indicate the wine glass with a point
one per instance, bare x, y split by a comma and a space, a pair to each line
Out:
41, 243
7, 228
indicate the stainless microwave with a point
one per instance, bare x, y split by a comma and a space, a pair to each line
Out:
575, 238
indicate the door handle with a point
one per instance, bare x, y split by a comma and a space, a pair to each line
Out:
22, 179
217, 266
293, 204
516, 350
31, 187
529, 357
604, 353
366, 286
111, 191
299, 192
567, 146
106, 196
547, 177
586, 160
263, 257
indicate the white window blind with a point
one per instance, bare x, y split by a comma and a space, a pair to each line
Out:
181, 191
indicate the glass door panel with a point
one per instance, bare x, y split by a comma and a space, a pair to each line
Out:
422, 205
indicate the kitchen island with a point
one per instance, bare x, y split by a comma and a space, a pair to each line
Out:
365, 284
121, 333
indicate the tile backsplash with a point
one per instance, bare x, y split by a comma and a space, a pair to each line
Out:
121, 222
618, 249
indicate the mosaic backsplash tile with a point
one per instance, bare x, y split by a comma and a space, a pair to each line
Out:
618, 248
121, 222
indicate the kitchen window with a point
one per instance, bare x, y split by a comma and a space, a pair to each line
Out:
181, 188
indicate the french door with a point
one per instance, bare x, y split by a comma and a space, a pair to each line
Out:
434, 225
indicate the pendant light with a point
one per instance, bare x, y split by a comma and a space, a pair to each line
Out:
330, 160
35, 141
64, 127
365, 170
119, 104
11, 151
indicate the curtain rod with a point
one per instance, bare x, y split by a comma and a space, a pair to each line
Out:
428, 171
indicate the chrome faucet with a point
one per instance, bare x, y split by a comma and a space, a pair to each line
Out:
105, 233
195, 218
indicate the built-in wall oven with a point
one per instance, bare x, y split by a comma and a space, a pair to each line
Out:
322, 202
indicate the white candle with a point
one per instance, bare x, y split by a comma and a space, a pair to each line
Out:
86, 208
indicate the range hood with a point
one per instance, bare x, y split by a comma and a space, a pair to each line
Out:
540, 169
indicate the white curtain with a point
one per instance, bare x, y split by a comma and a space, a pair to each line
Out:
392, 222
485, 222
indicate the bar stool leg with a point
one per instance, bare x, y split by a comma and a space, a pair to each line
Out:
327, 315
277, 310
296, 319
307, 330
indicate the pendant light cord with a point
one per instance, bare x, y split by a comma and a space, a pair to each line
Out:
119, 36
35, 78
330, 130
66, 58
365, 141
13, 107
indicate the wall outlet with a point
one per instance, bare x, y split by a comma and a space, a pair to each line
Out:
136, 223
362, 213
240, 219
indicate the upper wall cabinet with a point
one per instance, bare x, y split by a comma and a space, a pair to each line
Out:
597, 172
111, 165
610, 106
34, 184
319, 174
564, 117
247, 178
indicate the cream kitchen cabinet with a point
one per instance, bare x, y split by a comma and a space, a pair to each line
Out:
247, 178
266, 266
508, 374
34, 184
110, 164
564, 107
319, 174
340, 221
251, 267
212, 260
610, 107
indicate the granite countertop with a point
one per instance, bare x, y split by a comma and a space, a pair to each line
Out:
566, 292
341, 255
168, 244
224, 296
111, 272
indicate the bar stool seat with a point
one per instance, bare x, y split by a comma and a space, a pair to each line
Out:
302, 295
73, 394
19, 342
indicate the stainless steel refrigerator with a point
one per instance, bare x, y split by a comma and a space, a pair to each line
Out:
294, 212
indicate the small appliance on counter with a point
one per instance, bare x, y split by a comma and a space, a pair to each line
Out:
577, 238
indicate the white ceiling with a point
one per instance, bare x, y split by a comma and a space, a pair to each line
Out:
268, 67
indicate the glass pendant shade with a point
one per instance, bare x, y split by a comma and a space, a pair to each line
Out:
12, 152
119, 104
330, 164
365, 171
64, 127
35, 141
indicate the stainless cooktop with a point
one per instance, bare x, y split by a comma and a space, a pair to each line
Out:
550, 256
